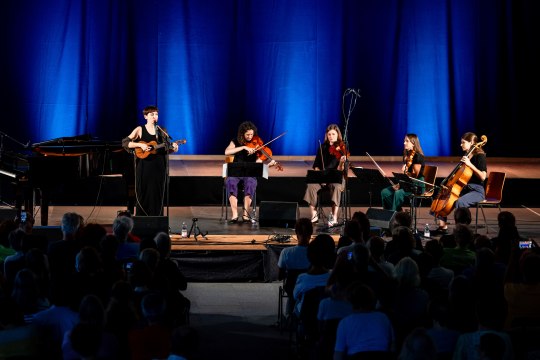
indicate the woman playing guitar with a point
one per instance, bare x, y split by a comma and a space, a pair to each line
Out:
413, 165
150, 174
468, 179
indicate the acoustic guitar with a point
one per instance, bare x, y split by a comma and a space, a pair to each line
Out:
154, 146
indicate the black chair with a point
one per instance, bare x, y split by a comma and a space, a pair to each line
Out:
306, 327
286, 298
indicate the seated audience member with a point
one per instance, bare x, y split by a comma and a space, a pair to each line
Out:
507, 236
121, 227
88, 339
332, 309
321, 255
171, 281
438, 274
418, 345
376, 247
443, 337
490, 317
353, 231
461, 256
293, 260
522, 287
403, 245
365, 330
411, 301
151, 340
462, 215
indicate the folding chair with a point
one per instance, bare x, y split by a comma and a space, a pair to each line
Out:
430, 176
494, 191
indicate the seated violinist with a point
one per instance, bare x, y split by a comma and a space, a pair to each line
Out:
243, 150
331, 155
413, 165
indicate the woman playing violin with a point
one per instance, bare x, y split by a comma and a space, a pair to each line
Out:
473, 192
331, 155
150, 173
244, 151
393, 197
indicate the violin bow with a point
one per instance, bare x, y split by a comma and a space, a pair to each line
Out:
277, 137
380, 170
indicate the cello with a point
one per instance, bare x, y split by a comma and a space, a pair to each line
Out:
451, 186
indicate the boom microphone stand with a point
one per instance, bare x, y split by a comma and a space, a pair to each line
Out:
355, 95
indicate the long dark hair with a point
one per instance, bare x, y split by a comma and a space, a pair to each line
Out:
243, 128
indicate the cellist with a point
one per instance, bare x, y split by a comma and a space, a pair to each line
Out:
473, 192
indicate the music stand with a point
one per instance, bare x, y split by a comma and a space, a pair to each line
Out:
246, 169
405, 183
371, 177
328, 176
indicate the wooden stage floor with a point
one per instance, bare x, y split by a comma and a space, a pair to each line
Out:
247, 236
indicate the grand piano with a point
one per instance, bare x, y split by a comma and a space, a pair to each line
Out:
42, 167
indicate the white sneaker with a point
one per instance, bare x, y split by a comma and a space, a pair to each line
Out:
331, 221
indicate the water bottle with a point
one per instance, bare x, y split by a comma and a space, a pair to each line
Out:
184, 230
426, 231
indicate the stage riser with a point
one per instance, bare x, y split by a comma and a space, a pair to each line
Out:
208, 191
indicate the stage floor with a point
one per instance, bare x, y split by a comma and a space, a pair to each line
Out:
247, 236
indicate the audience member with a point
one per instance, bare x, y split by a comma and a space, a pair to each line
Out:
293, 260
522, 287
365, 330
121, 227
438, 274
462, 215
489, 322
411, 301
418, 345
461, 256
152, 339
321, 255
88, 339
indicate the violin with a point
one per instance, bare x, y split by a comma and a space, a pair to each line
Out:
409, 160
338, 150
263, 152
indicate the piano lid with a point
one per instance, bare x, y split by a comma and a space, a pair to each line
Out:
75, 146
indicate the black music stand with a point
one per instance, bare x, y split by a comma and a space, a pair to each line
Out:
406, 183
329, 176
243, 169
371, 177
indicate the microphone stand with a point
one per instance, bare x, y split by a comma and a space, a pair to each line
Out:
352, 104
166, 139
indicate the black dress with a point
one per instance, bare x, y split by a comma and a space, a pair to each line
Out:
150, 178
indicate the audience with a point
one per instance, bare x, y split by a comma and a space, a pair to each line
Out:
78, 299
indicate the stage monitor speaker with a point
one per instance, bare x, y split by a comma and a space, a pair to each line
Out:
380, 217
149, 226
278, 214
7, 213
